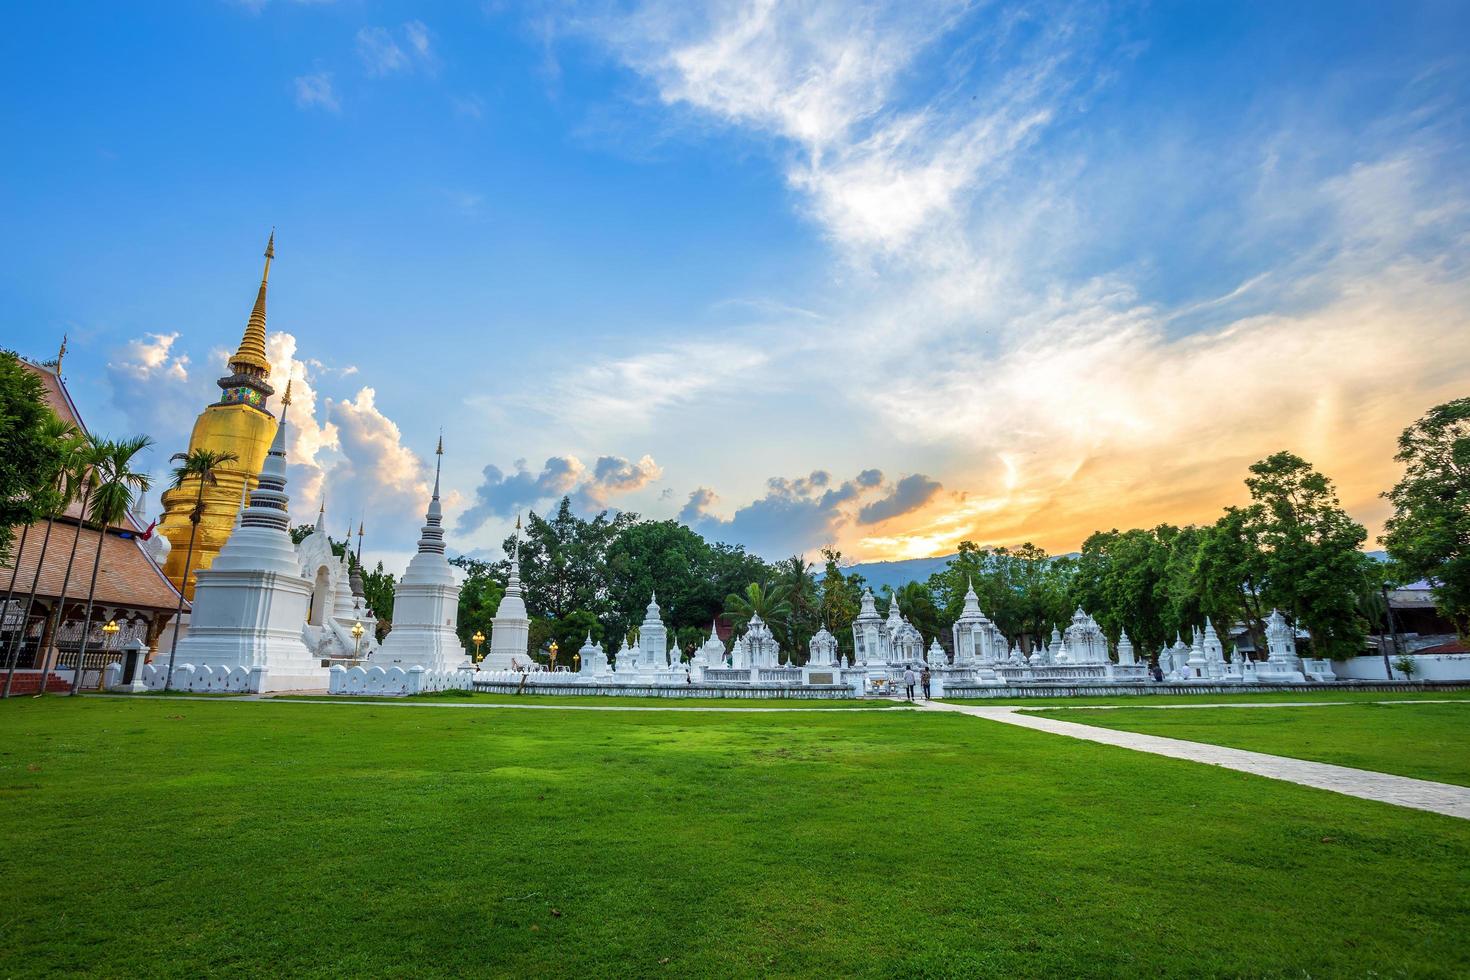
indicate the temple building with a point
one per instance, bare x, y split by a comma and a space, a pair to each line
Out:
238, 423
132, 591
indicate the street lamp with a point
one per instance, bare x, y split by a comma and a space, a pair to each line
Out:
477, 639
109, 635
357, 632
553, 656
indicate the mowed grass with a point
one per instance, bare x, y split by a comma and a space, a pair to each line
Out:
599, 701
188, 837
1422, 740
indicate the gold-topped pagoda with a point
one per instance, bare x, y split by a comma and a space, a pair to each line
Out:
238, 423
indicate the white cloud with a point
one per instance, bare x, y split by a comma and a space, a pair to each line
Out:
796, 515
315, 90
502, 494
382, 54
998, 305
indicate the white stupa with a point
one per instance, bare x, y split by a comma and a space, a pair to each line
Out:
426, 601
653, 638
510, 630
245, 631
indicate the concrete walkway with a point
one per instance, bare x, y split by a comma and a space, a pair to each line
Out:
1230, 704
1420, 794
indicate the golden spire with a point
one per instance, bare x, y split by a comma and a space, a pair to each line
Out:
250, 358
286, 399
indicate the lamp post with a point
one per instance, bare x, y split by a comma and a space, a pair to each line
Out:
477, 639
357, 632
109, 636
553, 656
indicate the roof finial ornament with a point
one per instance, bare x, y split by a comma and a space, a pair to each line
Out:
60, 354
438, 462
250, 359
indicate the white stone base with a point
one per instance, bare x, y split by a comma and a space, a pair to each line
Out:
203, 678
397, 680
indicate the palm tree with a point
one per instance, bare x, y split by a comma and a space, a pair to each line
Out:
79, 475
198, 464
796, 574
115, 483
771, 603
57, 499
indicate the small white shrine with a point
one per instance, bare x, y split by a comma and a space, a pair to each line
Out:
510, 629
337, 601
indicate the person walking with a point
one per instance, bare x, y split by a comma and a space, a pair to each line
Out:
908, 681
925, 677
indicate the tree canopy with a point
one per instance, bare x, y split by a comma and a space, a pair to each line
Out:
1429, 532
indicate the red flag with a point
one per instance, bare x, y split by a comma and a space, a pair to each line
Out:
148, 533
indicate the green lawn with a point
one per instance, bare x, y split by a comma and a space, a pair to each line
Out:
1426, 741
1455, 694
181, 838
595, 701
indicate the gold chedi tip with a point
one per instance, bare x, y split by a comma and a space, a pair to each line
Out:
250, 358
286, 399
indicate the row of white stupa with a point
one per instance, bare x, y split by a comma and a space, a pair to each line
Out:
885, 647
268, 614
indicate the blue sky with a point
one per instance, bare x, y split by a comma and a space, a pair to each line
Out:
880, 275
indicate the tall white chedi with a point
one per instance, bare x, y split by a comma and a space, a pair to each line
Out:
510, 630
426, 601
250, 603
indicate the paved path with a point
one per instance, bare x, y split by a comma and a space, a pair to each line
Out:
1042, 706
1420, 794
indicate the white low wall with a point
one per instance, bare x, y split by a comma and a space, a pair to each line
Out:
397, 680
1427, 667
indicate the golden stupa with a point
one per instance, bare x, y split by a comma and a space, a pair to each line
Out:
238, 423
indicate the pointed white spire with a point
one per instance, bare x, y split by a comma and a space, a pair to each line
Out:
269, 505
431, 539
244, 502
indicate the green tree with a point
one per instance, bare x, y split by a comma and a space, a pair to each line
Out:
795, 634
55, 495
116, 484
770, 602
1314, 568
479, 597
198, 464
1183, 608
1122, 581
1230, 567
30, 452
1429, 532
377, 591
841, 598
